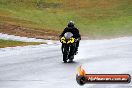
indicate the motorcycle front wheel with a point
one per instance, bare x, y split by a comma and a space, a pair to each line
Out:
65, 53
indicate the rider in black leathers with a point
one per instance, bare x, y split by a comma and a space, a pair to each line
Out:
71, 28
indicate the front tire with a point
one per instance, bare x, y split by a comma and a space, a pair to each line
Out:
65, 53
72, 53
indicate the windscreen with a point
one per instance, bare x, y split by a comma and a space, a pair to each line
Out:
68, 35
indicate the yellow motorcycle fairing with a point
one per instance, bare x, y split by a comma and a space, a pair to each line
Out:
67, 41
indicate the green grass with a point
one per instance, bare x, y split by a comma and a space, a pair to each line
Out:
10, 43
96, 18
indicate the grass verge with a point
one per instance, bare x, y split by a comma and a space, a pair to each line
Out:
94, 18
10, 43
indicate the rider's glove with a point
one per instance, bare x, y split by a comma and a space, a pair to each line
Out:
77, 39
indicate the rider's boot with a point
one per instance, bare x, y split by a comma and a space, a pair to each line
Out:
76, 51
71, 58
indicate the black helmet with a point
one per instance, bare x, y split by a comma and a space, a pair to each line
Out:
71, 24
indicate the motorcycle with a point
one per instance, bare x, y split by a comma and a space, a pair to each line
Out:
68, 47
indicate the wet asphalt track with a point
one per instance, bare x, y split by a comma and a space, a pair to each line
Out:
42, 67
